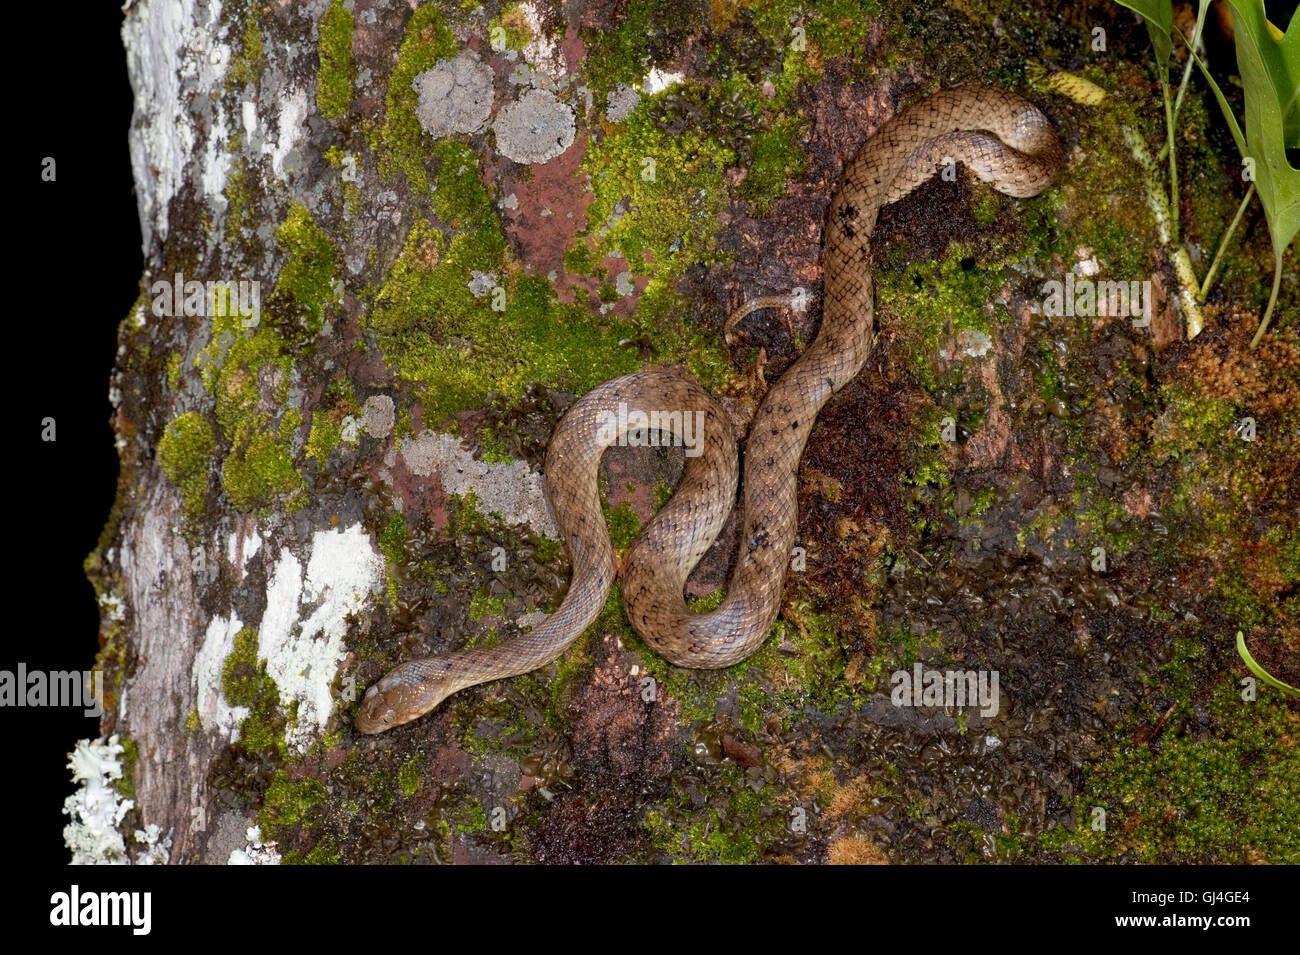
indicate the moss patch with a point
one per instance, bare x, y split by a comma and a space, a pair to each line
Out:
245, 682
185, 455
334, 81
398, 140
306, 285
455, 347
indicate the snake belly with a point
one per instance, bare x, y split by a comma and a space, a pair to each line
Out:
1005, 141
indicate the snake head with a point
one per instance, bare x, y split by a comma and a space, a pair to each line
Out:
406, 693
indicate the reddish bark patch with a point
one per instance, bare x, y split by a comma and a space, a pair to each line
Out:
615, 731
422, 497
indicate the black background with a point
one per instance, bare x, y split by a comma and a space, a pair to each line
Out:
75, 246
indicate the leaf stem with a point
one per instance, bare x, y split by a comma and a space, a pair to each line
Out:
1174, 210
1272, 300
1187, 70
1223, 244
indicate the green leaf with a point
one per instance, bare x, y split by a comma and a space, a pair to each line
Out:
1280, 57
1158, 15
1264, 676
1270, 71
1270, 75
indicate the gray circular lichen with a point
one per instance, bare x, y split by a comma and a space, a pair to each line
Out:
535, 128
620, 102
455, 95
378, 415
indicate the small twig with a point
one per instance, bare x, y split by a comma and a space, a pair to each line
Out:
1161, 724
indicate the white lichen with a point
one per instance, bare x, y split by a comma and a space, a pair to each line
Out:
656, 81
216, 715
176, 53
96, 807
303, 655
256, 852
380, 415
620, 102
157, 848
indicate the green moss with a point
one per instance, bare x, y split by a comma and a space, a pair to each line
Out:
257, 470
408, 777
241, 194
288, 805
325, 436
468, 816
235, 380
733, 828
245, 682
495, 449
465, 518
777, 156
1192, 421
125, 784
623, 526
392, 541
986, 207
247, 62
832, 27
185, 455
1101, 206
398, 140
334, 81
306, 285
174, 370
662, 494
455, 348
923, 297
1216, 796
481, 605
460, 198
510, 30
192, 722
813, 674
671, 186
625, 52
255, 369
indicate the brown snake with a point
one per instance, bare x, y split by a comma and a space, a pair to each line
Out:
1000, 137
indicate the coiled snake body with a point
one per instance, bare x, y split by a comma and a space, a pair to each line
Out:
1005, 141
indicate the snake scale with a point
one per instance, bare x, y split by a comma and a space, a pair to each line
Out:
1005, 141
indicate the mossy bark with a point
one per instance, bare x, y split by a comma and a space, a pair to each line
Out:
953, 499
